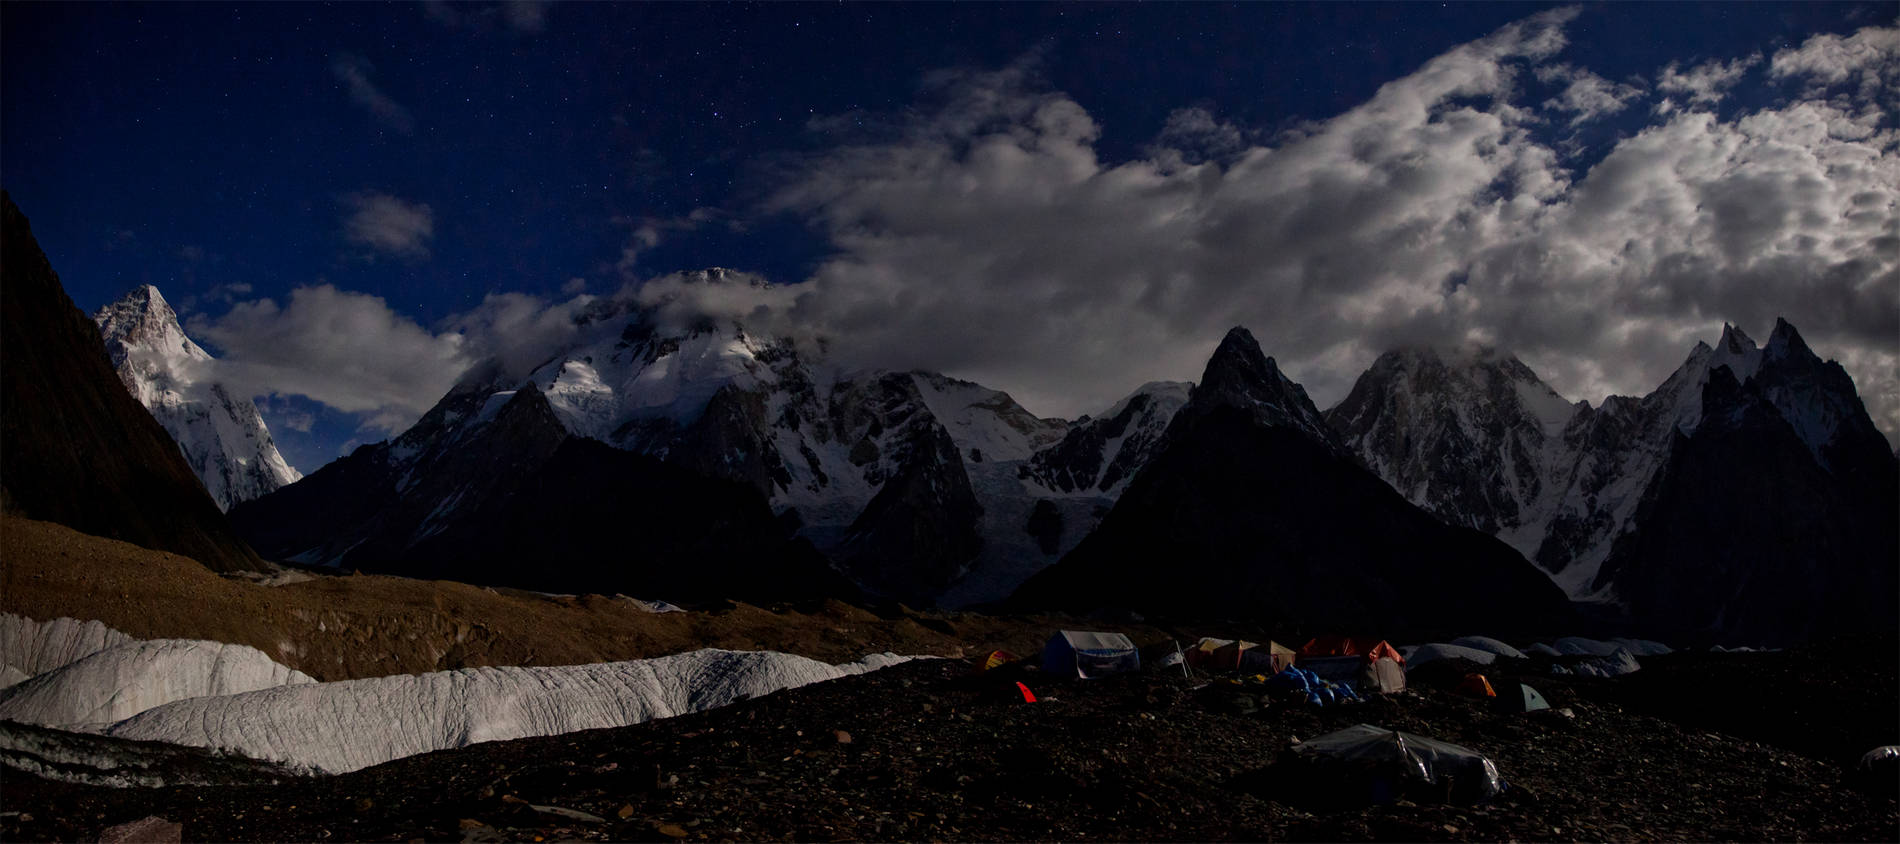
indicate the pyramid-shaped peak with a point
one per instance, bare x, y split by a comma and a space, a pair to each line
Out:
1240, 375
1237, 363
141, 313
1786, 341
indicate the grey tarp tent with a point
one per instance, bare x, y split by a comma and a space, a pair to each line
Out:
1082, 653
1367, 763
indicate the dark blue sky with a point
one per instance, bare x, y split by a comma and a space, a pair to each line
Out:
196, 146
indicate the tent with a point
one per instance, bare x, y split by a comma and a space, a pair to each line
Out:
1519, 697
1366, 763
1227, 657
1270, 658
1085, 654
1475, 685
1202, 651
1369, 664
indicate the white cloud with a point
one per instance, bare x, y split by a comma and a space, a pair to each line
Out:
1705, 83
354, 72
990, 240
389, 225
1586, 95
987, 238
347, 350
1870, 56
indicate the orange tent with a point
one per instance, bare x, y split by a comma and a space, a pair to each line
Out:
1475, 685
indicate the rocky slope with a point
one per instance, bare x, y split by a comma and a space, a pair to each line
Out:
925, 751
224, 439
77, 448
1775, 432
915, 485
1264, 514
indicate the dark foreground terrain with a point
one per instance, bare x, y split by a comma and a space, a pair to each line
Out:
1695, 747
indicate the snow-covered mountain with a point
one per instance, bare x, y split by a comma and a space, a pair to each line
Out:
915, 485
223, 437
1474, 436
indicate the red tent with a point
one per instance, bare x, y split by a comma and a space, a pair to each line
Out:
1365, 646
1369, 664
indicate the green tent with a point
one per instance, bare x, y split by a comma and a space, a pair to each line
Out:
1522, 698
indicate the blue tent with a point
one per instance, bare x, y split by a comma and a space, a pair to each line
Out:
1086, 654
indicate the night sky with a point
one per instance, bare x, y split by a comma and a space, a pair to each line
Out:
349, 203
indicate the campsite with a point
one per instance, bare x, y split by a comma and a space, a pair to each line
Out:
1696, 745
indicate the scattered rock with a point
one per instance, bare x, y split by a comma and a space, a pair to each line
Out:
147, 830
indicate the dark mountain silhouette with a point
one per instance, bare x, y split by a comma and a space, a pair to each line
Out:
75, 447
1246, 512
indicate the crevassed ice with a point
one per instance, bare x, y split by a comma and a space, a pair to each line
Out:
348, 725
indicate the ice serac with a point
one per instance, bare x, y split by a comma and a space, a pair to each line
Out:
1251, 509
121, 681
223, 437
353, 724
916, 485
29, 647
75, 447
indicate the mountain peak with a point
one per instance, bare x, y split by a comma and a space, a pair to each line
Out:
1238, 367
143, 319
1735, 341
1240, 375
1786, 342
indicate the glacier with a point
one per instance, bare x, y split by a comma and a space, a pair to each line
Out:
233, 699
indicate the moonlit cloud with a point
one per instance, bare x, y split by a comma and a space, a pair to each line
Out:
989, 239
389, 225
355, 73
1705, 83
985, 236
347, 350
1586, 95
1870, 57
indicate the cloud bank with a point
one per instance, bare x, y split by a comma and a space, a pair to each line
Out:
986, 237
989, 239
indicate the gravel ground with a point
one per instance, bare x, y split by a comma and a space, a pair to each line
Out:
929, 751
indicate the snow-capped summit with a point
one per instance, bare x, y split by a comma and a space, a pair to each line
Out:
223, 438
1470, 433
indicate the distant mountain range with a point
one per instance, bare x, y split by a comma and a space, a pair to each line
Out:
1748, 497
916, 486
223, 437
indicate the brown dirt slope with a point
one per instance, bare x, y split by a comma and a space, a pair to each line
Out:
335, 628
77, 448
